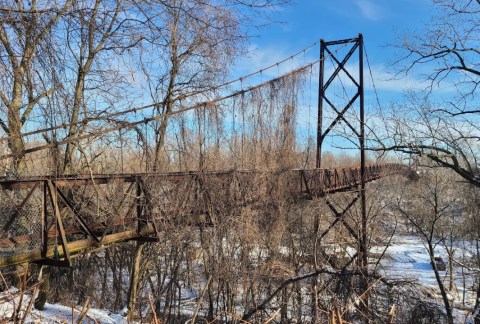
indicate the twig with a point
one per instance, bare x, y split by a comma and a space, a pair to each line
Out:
36, 288
271, 318
16, 314
391, 314
199, 303
337, 316
84, 311
93, 319
465, 266
284, 284
150, 301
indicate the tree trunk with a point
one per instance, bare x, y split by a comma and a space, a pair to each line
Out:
135, 279
168, 100
41, 299
15, 143
299, 303
77, 100
477, 302
284, 306
443, 292
450, 271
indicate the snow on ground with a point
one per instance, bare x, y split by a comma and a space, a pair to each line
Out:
53, 313
64, 313
407, 259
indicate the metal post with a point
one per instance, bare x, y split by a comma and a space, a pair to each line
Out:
321, 94
45, 220
362, 154
364, 230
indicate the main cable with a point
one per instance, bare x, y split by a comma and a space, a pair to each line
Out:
156, 118
86, 120
126, 124
371, 76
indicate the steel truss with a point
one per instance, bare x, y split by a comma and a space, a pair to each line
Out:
51, 221
353, 103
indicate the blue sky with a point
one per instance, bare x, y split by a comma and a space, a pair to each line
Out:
303, 22
379, 21
382, 22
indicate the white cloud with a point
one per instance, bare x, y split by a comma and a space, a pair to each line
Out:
384, 79
387, 81
369, 9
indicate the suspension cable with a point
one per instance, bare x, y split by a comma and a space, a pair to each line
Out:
86, 120
126, 124
371, 76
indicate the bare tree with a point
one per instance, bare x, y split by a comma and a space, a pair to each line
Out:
441, 122
428, 206
24, 35
92, 31
417, 129
196, 42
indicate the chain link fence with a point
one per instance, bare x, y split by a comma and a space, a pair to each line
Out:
21, 230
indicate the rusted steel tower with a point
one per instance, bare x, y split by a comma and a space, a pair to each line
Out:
354, 103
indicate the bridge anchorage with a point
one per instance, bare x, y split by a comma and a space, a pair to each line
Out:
50, 220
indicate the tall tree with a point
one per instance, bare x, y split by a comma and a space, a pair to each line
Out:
196, 42
25, 31
428, 207
441, 123
96, 33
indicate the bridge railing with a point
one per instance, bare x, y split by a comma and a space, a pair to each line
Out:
50, 220
323, 181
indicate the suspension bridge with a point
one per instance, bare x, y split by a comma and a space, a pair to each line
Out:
51, 219
137, 206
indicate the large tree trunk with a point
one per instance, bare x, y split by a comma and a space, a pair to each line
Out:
41, 299
78, 96
15, 143
135, 279
168, 100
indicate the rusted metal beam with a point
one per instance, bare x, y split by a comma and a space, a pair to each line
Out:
74, 249
53, 199
77, 215
340, 215
85, 180
315, 183
82, 179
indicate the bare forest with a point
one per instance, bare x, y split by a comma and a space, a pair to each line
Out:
143, 181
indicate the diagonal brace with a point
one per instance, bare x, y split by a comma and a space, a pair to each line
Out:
342, 64
340, 67
340, 115
305, 181
337, 218
77, 215
340, 215
63, 238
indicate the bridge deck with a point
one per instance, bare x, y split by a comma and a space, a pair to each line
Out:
50, 220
